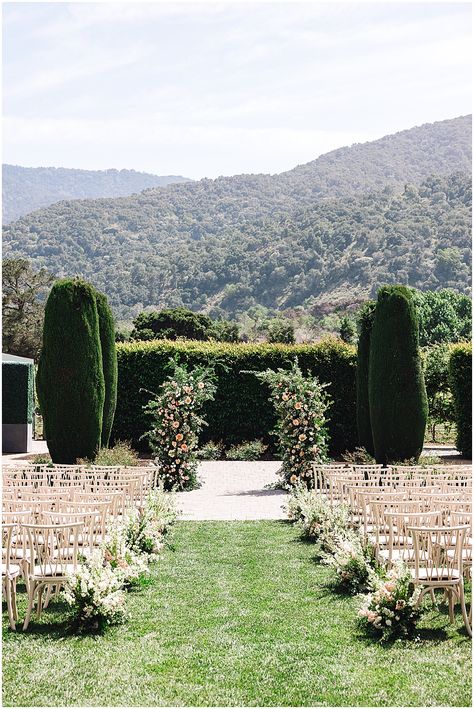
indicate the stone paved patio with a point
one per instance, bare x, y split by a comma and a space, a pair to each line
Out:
234, 490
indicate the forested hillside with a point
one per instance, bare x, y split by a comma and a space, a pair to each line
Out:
395, 210
25, 189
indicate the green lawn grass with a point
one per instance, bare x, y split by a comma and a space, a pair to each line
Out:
237, 613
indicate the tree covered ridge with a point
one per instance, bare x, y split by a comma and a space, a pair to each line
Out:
227, 244
25, 189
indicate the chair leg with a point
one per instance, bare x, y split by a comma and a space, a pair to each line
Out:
432, 594
451, 604
47, 596
8, 594
463, 608
14, 605
39, 606
31, 600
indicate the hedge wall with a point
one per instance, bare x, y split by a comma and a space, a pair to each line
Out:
18, 392
460, 381
241, 410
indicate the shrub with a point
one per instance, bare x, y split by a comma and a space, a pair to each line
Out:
391, 609
359, 456
177, 421
397, 394
364, 428
70, 380
249, 450
301, 404
211, 451
460, 379
241, 410
143, 534
95, 593
109, 365
121, 453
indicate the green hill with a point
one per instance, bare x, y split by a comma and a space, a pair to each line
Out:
393, 210
25, 189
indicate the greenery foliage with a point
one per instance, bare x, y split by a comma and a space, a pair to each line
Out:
396, 210
460, 379
397, 394
316, 519
444, 316
109, 365
121, 453
17, 392
248, 450
240, 410
176, 412
211, 450
440, 400
70, 379
364, 428
173, 324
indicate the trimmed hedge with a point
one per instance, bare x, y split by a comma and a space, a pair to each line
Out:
241, 410
70, 380
364, 428
460, 381
109, 365
17, 392
397, 394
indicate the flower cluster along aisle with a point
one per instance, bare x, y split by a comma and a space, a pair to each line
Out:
176, 412
301, 405
389, 600
96, 592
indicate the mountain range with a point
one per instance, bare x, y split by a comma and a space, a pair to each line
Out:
25, 189
330, 231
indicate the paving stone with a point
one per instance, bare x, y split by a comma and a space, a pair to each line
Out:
234, 490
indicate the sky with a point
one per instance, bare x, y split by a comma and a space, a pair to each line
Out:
222, 88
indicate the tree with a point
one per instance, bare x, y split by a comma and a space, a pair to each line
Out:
440, 400
397, 394
175, 323
347, 330
444, 316
280, 330
22, 307
364, 429
70, 381
109, 365
460, 380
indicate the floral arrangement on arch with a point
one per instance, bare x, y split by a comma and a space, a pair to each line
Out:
177, 422
391, 610
301, 404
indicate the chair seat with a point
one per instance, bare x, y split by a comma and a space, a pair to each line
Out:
13, 571
442, 574
49, 571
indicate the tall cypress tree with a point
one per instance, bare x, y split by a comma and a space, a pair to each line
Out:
397, 394
70, 381
365, 323
109, 365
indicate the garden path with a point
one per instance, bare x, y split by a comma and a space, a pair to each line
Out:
234, 490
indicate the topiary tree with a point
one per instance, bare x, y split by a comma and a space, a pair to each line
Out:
70, 381
365, 324
109, 365
460, 381
397, 394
